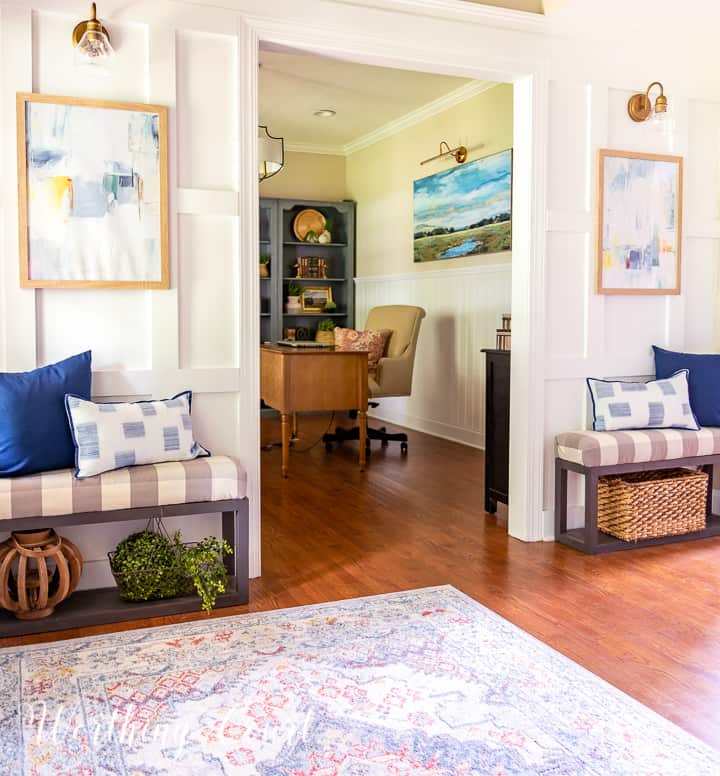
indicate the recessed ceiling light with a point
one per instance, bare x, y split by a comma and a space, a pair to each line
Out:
325, 113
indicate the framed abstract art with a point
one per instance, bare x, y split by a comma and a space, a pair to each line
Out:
92, 193
639, 244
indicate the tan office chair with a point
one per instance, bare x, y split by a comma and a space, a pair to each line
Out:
395, 369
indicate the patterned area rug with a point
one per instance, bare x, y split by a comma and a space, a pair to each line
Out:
423, 682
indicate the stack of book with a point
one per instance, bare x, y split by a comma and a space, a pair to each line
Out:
311, 267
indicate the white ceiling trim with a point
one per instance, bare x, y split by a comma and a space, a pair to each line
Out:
456, 10
313, 148
430, 109
449, 100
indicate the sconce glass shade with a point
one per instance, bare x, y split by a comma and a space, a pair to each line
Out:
92, 44
271, 154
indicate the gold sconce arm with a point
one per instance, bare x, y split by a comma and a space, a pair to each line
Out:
459, 153
640, 105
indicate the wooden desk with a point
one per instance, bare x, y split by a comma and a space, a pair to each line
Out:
314, 379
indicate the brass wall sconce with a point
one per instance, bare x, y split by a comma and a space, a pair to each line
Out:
92, 41
459, 153
640, 106
271, 153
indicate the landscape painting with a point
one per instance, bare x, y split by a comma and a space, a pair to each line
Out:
464, 211
92, 193
640, 223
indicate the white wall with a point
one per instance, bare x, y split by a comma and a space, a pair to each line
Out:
144, 343
582, 105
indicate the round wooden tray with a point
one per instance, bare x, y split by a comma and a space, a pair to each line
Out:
308, 220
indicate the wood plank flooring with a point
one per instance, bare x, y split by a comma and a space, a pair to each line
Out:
647, 621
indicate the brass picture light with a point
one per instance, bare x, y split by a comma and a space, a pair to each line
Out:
459, 153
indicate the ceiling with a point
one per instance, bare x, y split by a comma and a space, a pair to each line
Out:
533, 6
294, 84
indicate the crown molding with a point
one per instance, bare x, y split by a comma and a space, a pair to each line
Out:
430, 109
460, 11
449, 100
315, 148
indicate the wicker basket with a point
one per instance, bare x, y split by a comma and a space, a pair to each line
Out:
645, 505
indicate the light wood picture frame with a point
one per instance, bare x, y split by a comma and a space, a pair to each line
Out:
92, 193
639, 224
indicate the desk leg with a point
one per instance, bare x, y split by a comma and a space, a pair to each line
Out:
285, 424
362, 420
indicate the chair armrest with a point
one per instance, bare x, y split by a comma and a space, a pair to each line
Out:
394, 375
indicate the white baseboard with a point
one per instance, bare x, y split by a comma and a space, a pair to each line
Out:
576, 517
435, 428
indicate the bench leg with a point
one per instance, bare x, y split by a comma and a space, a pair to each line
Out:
561, 498
235, 531
591, 511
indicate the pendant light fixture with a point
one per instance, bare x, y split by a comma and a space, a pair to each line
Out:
92, 43
271, 153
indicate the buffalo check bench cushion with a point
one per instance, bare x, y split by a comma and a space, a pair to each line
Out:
608, 448
214, 478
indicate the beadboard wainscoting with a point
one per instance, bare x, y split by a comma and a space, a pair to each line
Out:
463, 311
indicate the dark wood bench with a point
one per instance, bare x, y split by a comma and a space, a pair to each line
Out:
103, 605
595, 454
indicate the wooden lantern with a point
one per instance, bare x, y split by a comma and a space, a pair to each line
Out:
38, 570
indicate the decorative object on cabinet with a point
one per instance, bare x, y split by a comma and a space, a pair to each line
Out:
309, 221
330, 306
640, 106
271, 153
92, 193
92, 43
264, 265
293, 298
314, 298
303, 334
289, 333
639, 223
502, 336
38, 570
497, 428
442, 230
325, 332
332, 264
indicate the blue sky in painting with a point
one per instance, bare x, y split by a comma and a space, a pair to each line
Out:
464, 195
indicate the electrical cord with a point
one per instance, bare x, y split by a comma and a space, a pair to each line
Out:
305, 449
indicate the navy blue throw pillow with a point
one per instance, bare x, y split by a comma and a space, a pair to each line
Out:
34, 431
704, 380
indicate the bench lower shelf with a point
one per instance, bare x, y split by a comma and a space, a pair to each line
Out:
103, 606
575, 537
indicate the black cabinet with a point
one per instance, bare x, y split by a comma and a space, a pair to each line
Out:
497, 427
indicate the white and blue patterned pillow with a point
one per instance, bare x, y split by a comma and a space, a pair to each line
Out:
114, 435
658, 404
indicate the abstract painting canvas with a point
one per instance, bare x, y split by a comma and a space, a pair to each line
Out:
640, 223
464, 211
92, 179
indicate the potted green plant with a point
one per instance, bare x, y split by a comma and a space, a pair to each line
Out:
149, 566
325, 332
265, 266
293, 297
330, 306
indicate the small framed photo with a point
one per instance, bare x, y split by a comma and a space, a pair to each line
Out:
313, 300
639, 223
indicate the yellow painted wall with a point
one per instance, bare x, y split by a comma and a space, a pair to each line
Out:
380, 179
308, 176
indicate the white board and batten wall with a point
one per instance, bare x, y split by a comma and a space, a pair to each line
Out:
202, 334
145, 343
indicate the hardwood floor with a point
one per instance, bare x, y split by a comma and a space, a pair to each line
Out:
647, 621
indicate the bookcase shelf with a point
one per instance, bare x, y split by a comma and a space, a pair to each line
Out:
277, 240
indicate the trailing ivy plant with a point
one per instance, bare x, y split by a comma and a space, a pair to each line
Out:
149, 566
203, 563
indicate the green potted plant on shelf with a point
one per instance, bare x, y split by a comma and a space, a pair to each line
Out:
330, 306
265, 266
325, 332
149, 566
293, 297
